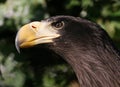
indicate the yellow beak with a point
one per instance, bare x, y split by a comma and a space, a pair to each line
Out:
35, 33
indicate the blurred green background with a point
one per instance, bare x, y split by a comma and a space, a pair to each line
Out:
36, 67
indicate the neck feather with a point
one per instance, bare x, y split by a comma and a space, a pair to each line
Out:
95, 66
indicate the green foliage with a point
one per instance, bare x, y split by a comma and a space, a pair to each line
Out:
51, 75
19, 70
11, 76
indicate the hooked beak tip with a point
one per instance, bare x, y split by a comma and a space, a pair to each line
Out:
17, 45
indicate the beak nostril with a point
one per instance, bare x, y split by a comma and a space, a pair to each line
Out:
33, 26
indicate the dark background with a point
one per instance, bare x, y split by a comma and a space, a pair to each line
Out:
36, 67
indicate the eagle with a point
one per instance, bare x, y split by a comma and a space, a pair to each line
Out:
83, 44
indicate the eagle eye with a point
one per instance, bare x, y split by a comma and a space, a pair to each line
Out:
58, 24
